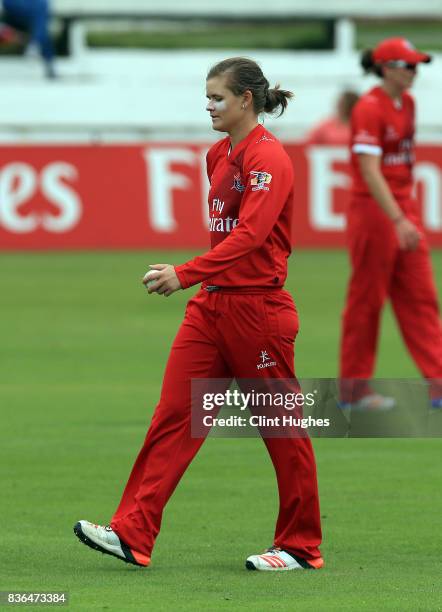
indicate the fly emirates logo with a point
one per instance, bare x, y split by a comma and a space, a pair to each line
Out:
217, 223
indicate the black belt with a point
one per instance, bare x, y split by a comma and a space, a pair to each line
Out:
211, 288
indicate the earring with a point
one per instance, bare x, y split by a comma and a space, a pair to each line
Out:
243, 106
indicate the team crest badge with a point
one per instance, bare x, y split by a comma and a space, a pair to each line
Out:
260, 180
237, 183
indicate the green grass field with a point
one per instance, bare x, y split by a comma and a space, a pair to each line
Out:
82, 354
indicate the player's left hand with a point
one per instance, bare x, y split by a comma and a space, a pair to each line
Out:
166, 280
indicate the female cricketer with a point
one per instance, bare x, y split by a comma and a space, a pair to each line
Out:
388, 250
240, 320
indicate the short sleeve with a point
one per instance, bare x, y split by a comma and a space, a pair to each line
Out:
367, 127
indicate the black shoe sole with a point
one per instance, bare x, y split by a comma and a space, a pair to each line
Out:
250, 566
85, 540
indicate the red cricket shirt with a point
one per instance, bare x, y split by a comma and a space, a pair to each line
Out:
250, 215
331, 131
380, 126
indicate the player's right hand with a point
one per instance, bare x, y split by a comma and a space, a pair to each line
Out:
161, 279
408, 234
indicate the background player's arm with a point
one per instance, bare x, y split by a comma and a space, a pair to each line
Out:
370, 167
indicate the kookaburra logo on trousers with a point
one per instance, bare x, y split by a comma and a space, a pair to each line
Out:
266, 361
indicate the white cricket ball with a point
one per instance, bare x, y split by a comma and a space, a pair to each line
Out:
151, 277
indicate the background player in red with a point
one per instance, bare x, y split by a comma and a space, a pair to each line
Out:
388, 250
335, 130
241, 324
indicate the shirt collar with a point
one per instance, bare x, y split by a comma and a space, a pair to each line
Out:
396, 103
255, 133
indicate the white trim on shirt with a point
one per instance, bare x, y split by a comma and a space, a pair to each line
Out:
366, 148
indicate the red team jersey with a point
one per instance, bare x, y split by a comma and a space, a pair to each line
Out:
331, 131
379, 126
250, 215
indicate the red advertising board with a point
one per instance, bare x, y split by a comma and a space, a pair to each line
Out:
154, 195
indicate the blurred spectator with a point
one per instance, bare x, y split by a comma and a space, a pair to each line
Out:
33, 17
335, 130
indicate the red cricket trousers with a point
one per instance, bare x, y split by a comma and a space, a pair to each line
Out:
222, 336
381, 270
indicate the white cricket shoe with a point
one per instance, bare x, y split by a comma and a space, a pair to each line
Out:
277, 560
106, 541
